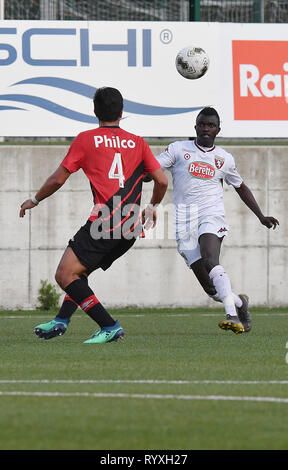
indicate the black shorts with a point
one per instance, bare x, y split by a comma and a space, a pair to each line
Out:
101, 253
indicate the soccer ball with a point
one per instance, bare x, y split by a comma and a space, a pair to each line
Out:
192, 62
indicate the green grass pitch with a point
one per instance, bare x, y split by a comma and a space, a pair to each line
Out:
176, 381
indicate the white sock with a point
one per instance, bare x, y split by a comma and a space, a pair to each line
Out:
229, 305
223, 288
238, 302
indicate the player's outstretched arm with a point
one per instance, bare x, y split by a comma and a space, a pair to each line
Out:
53, 183
149, 214
248, 198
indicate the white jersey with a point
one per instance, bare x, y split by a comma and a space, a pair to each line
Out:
198, 177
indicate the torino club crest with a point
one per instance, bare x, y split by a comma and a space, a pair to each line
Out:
219, 162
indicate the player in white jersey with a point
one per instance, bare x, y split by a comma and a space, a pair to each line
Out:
198, 169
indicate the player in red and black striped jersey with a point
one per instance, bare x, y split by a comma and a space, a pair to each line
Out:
115, 162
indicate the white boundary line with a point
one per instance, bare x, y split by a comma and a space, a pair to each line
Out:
140, 315
148, 381
149, 396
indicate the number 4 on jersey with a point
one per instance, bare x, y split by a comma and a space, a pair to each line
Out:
116, 170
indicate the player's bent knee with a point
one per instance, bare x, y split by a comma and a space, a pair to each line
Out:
64, 277
58, 277
61, 278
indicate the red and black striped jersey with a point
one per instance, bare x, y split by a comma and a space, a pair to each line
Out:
115, 162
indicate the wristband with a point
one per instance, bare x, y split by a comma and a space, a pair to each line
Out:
34, 200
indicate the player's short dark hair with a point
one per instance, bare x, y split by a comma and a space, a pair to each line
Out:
208, 111
108, 104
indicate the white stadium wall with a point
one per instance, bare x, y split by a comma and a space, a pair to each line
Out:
152, 273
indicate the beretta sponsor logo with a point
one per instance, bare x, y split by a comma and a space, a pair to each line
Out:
201, 170
260, 80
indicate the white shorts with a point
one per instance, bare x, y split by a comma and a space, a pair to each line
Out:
188, 244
